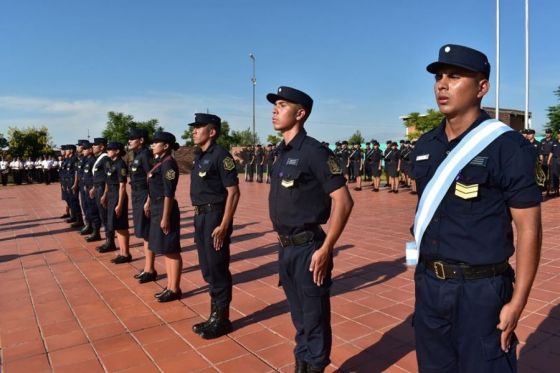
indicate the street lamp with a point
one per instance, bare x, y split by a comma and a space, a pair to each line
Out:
254, 81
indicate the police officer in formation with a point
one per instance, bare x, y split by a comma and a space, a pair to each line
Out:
368, 151
214, 195
355, 164
259, 163
92, 219
553, 163
375, 165
117, 200
392, 164
342, 157
249, 156
4, 171
138, 171
544, 153
466, 305
163, 210
306, 181
270, 156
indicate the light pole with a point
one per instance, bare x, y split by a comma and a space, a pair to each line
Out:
254, 81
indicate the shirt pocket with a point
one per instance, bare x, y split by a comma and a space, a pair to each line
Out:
290, 178
470, 189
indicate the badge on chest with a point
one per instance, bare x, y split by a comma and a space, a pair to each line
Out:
287, 183
466, 191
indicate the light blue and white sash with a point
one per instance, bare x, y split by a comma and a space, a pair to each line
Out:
470, 146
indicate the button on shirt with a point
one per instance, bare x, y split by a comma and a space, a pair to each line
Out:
476, 230
213, 171
303, 177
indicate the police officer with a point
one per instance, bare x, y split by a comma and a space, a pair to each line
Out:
99, 190
86, 151
466, 306
163, 210
405, 163
117, 200
139, 169
306, 180
385, 152
344, 159
392, 166
259, 163
72, 167
376, 156
4, 171
214, 195
90, 207
270, 159
367, 161
249, 163
544, 152
554, 165
62, 179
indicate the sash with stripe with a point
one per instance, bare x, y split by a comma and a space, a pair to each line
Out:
467, 149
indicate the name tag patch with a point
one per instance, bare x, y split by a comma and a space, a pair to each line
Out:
465, 191
292, 162
422, 157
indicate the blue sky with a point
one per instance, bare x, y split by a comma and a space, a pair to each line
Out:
65, 64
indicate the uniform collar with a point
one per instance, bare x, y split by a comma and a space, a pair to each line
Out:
210, 149
439, 132
296, 142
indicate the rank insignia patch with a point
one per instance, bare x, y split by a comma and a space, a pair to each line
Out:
287, 183
123, 171
170, 175
202, 173
334, 166
229, 164
466, 191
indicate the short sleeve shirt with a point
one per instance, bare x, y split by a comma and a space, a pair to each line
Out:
139, 168
473, 222
116, 172
214, 170
303, 177
163, 178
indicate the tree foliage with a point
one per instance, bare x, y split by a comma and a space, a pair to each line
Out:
118, 125
29, 142
554, 114
423, 123
356, 137
274, 139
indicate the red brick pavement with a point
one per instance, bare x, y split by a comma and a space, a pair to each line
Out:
66, 308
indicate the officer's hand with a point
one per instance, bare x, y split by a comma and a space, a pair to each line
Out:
318, 266
509, 315
74, 189
104, 201
147, 210
92, 193
164, 225
118, 210
219, 234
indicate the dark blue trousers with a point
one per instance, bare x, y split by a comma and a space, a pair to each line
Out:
455, 323
310, 305
214, 264
92, 214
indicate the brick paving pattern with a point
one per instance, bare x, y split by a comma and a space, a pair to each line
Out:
66, 308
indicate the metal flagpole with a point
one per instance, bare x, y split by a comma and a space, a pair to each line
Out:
527, 124
498, 59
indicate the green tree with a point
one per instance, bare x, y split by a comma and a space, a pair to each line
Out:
356, 137
274, 139
422, 123
244, 138
118, 125
554, 115
29, 142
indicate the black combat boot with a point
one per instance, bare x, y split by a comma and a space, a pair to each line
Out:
301, 366
109, 244
87, 229
79, 223
94, 236
311, 369
199, 328
218, 326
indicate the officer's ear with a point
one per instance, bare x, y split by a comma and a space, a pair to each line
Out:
483, 86
301, 114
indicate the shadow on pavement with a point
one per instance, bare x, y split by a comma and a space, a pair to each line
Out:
7, 258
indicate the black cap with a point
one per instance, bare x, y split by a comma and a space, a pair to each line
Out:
71, 147
100, 141
80, 142
531, 131
548, 130
291, 95
465, 57
63, 147
165, 137
115, 145
337, 143
86, 144
201, 119
375, 143
389, 142
368, 144
344, 142
394, 144
137, 133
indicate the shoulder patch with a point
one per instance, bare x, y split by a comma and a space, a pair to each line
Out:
123, 171
334, 167
229, 164
170, 174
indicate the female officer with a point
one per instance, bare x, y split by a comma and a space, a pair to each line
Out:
117, 200
139, 169
393, 164
164, 213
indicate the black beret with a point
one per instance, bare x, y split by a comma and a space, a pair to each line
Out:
100, 141
165, 137
137, 133
291, 95
465, 57
201, 119
115, 145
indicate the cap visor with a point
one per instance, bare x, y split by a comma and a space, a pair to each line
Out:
272, 98
435, 67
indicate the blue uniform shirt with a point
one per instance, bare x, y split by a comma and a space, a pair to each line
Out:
303, 177
476, 230
139, 169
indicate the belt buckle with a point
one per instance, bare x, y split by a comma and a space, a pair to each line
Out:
439, 270
196, 210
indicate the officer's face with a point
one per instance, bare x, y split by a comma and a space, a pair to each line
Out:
159, 148
201, 134
134, 144
286, 114
112, 153
458, 90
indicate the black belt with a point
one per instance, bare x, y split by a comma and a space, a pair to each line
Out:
297, 239
209, 207
444, 271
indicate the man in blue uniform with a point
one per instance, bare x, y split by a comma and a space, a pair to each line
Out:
466, 307
306, 181
214, 195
